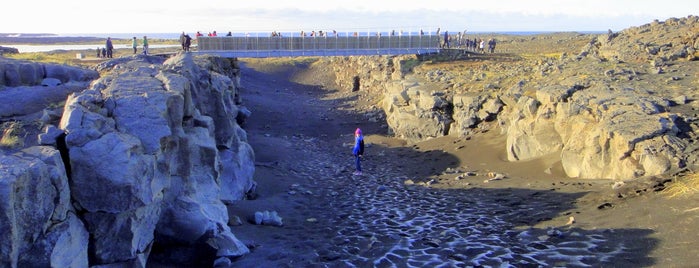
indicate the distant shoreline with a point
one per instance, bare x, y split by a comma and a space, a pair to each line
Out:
49, 38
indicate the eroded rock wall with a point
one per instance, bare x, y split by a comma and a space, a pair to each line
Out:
38, 225
14, 73
596, 109
154, 151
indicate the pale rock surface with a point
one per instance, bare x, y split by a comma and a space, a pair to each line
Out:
38, 226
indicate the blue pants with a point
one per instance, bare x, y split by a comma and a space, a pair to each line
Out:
358, 162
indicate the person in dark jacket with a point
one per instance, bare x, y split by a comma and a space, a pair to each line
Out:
110, 47
358, 151
187, 42
182, 40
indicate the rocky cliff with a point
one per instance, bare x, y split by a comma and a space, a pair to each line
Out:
620, 108
149, 154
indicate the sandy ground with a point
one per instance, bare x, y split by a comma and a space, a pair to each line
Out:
301, 130
296, 123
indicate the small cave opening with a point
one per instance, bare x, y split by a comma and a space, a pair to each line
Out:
63, 149
355, 83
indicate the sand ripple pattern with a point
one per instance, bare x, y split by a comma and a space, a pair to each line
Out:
380, 222
390, 225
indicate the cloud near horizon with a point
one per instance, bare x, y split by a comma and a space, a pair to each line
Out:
294, 20
139, 16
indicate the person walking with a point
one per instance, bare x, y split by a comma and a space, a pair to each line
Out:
134, 44
358, 151
145, 45
110, 47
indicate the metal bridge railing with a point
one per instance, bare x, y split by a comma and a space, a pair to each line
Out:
322, 45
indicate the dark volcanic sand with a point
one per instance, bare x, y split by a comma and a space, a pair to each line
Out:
301, 133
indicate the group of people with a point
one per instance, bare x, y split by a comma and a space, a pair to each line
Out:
108, 50
134, 44
479, 45
460, 41
212, 34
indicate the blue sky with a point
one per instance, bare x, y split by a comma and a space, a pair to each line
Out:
148, 16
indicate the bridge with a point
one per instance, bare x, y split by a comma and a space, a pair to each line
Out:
277, 46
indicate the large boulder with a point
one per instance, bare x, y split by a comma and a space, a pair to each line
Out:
34, 86
471, 109
599, 132
155, 151
38, 227
8, 50
15, 73
415, 112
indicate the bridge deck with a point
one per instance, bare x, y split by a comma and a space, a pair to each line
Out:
262, 47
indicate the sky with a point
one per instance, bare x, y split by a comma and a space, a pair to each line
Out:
157, 16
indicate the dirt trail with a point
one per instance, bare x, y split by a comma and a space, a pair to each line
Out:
302, 136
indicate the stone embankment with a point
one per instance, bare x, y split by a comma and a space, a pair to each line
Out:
137, 170
622, 108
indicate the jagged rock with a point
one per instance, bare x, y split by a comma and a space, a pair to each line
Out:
37, 227
594, 111
414, 113
238, 167
471, 109
222, 262
51, 133
155, 149
234, 221
25, 73
50, 116
268, 218
600, 133
34, 86
65, 244
124, 236
243, 114
8, 50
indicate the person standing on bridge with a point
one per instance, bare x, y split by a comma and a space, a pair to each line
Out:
446, 39
358, 151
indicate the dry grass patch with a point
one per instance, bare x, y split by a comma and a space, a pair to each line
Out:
12, 136
684, 187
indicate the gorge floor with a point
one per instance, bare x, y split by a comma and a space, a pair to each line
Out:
302, 136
